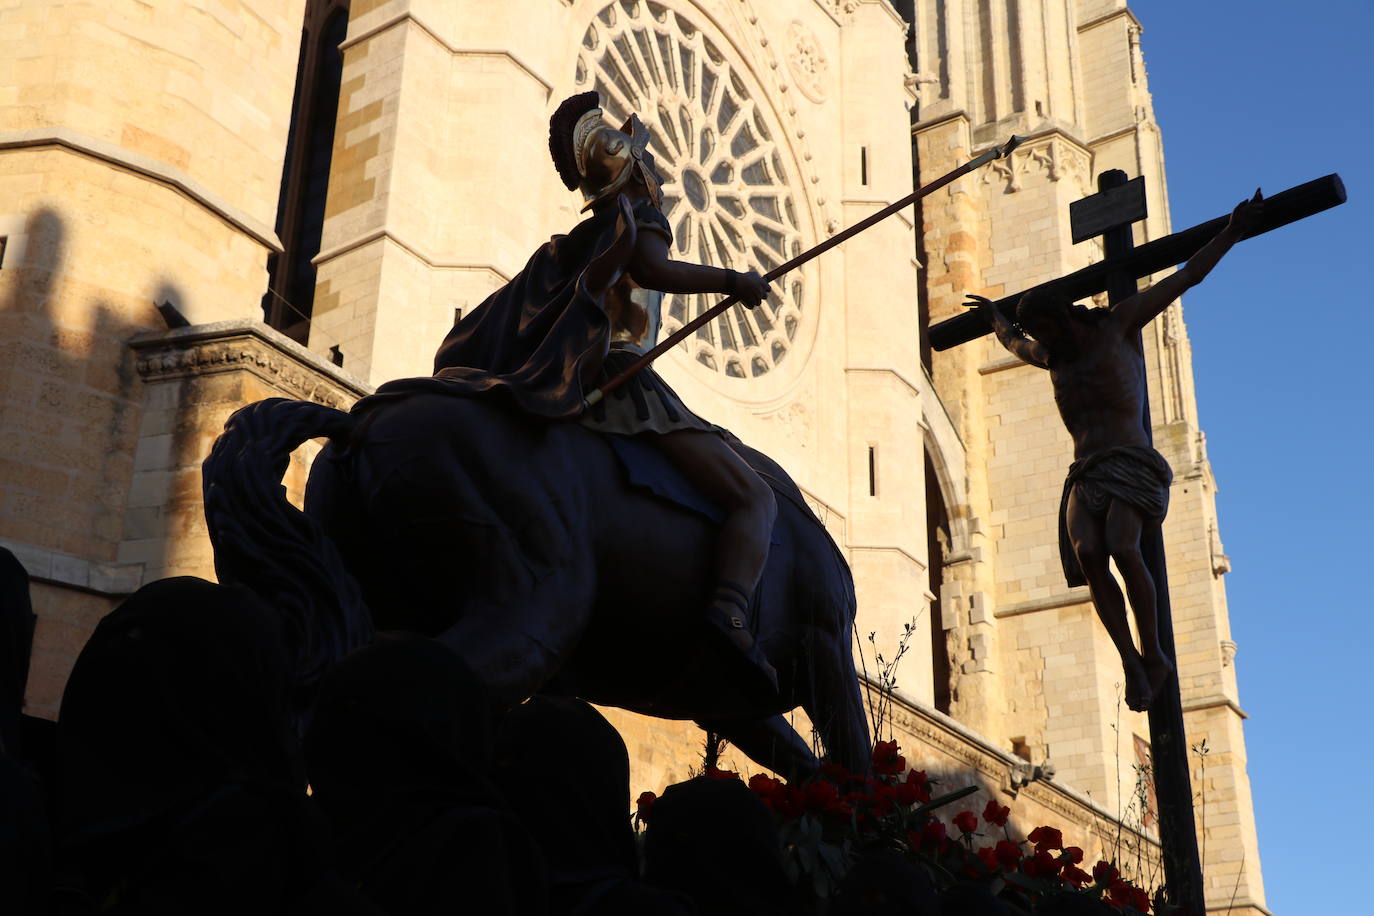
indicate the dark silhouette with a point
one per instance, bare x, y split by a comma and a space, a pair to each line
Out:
566, 772
25, 840
399, 751
885, 882
968, 899
180, 786
16, 642
715, 841
1065, 904
1118, 485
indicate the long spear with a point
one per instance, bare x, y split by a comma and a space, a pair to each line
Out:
997, 152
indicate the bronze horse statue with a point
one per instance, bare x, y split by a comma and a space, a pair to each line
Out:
527, 547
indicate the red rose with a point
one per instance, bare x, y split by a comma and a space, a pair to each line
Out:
820, 795
1105, 873
1119, 893
714, 773
996, 814
1123, 893
763, 785
877, 803
989, 857
788, 802
886, 760
1075, 875
906, 794
1008, 853
1040, 865
966, 821
1073, 854
918, 781
1046, 838
644, 804
835, 773
934, 836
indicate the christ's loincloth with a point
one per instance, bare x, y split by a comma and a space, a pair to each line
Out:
1135, 474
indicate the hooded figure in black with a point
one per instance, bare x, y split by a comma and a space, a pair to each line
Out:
181, 787
398, 753
715, 841
566, 773
25, 844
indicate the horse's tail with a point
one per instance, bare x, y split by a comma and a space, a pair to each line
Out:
264, 543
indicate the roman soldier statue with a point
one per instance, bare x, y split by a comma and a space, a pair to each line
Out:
586, 305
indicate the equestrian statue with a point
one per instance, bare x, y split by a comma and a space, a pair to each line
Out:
620, 549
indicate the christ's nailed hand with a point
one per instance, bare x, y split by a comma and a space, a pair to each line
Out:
984, 307
1246, 215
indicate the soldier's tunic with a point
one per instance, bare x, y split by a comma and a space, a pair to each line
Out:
645, 403
543, 341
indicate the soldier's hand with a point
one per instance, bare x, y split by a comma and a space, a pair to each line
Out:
1246, 215
750, 288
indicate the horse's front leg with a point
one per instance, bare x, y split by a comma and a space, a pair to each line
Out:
835, 704
770, 742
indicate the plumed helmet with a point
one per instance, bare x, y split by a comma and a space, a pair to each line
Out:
592, 155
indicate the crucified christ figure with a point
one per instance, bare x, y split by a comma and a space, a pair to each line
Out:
1117, 486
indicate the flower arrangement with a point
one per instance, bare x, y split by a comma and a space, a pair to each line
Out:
828, 822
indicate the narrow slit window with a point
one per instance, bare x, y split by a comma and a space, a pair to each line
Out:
3, 240
457, 315
863, 165
873, 470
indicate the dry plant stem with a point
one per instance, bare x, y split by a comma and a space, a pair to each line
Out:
1202, 751
1236, 890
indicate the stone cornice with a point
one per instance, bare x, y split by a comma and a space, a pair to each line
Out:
53, 567
1065, 598
974, 752
1108, 17
1001, 364
429, 259
148, 167
958, 114
250, 346
897, 374
406, 16
888, 548
1215, 701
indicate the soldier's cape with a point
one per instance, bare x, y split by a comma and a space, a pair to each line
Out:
538, 342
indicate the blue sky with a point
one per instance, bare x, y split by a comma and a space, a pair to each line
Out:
1249, 94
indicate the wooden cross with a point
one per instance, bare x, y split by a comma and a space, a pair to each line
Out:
1110, 212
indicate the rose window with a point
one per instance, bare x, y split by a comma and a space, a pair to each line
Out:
725, 188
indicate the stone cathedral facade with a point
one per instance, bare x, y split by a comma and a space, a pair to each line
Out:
312, 190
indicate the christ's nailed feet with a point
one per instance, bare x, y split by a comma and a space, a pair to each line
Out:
1138, 692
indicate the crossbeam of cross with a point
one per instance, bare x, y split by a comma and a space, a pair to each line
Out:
1279, 210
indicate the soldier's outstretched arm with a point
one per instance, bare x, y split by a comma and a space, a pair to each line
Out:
1020, 346
1137, 311
651, 268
